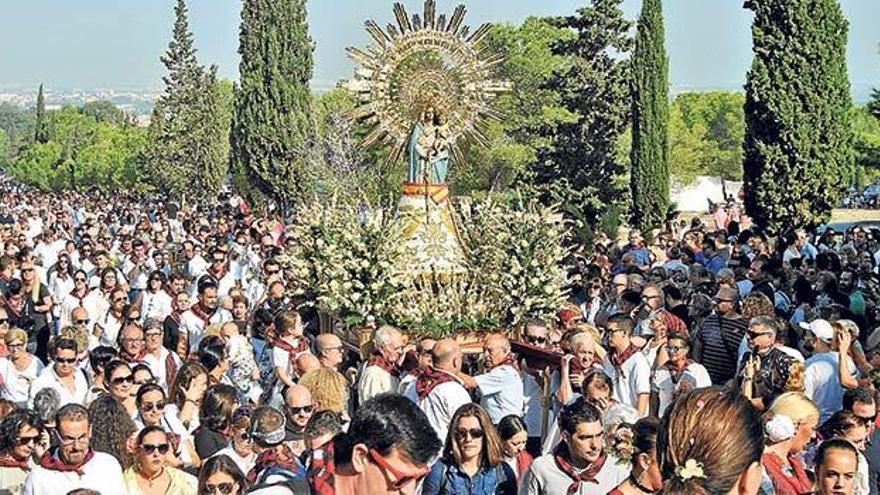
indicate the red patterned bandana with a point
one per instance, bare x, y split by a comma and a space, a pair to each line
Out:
201, 314
377, 359
561, 456
52, 462
8, 461
429, 379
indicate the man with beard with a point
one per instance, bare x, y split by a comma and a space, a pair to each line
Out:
298, 408
766, 370
202, 315
73, 464
381, 373
578, 465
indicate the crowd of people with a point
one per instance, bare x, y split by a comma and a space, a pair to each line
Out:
149, 347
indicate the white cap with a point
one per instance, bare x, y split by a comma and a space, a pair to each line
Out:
821, 329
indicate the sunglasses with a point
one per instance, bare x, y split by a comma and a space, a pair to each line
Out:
868, 420
119, 380
27, 270
65, 361
304, 409
79, 279
149, 449
153, 406
672, 349
536, 340
272, 272
755, 335
119, 299
26, 440
4, 321
82, 322
224, 488
474, 433
400, 479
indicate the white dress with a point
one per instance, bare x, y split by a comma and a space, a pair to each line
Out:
17, 384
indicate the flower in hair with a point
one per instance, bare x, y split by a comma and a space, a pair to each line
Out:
691, 469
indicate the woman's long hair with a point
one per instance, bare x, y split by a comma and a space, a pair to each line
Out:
491, 455
220, 464
111, 427
182, 381
217, 405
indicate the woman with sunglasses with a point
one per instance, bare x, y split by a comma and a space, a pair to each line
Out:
19, 439
19, 369
220, 476
472, 460
151, 475
120, 381
76, 297
151, 404
60, 284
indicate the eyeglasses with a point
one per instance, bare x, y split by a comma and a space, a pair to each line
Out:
869, 420
304, 409
149, 449
533, 339
27, 270
65, 361
153, 406
119, 299
82, 322
81, 440
462, 433
62, 261
79, 279
152, 334
26, 440
224, 488
119, 380
755, 335
14, 346
132, 341
400, 479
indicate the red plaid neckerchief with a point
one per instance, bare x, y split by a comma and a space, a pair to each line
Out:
561, 455
321, 469
799, 484
272, 457
301, 346
430, 378
175, 316
676, 372
218, 275
8, 461
201, 314
377, 359
52, 462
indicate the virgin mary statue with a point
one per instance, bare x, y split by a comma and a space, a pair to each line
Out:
428, 150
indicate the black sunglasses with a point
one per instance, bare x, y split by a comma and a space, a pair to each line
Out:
65, 361
473, 432
119, 380
149, 449
304, 409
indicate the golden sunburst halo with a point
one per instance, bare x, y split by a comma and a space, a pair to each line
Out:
424, 61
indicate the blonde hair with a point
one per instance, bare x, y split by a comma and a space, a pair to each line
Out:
213, 330
15, 334
582, 332
329, 389
797, 406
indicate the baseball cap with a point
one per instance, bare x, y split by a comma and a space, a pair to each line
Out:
820, 328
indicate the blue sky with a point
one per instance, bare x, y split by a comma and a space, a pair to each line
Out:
117, 43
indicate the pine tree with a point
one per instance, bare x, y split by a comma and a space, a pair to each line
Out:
798, 150
41, 128
874, 104
649, 176
273, 128
186, 136
582, 167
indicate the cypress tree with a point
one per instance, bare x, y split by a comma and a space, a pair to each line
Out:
798, 150
649, 177
185, 151
272, 130
41, 128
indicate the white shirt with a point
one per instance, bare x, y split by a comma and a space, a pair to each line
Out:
49, 379
17, 384
157, 365
665, 388
243, 463
96, 305
545, 478
635, 380
156, 305
67, 304
102, 473
374, 381
441, 404
533, 415
59, 288
193, 327
822, 383
110, 327
502, 390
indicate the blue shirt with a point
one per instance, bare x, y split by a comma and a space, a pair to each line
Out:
485, 482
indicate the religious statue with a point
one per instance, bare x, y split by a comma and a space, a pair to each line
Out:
429, 150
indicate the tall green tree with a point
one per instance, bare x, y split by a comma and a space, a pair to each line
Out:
273, 129
649, 175
582, 168
186, 152
799, 137
41, 130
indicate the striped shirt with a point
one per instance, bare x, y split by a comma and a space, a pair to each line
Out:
720, 337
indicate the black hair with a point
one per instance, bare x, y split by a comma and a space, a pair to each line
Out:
509, 426
386, 421
110, 367
14, 422
579, 411
100, 356
834, 444
67, 344
324, 422
862, 395
147, 388
212, 351
622, 320
215, 412
150, 429
672, 292
645, 435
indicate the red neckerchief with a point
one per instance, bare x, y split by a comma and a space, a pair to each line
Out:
201, 314
52, 462
170, 368
377, 359
128, 358
8, 461
618, 359
675, 372
321, 469
430, 378
272, 457
508, 361
218, 275
301, 346
175, 315
784, 484
523, 461
560, 455
73, 293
